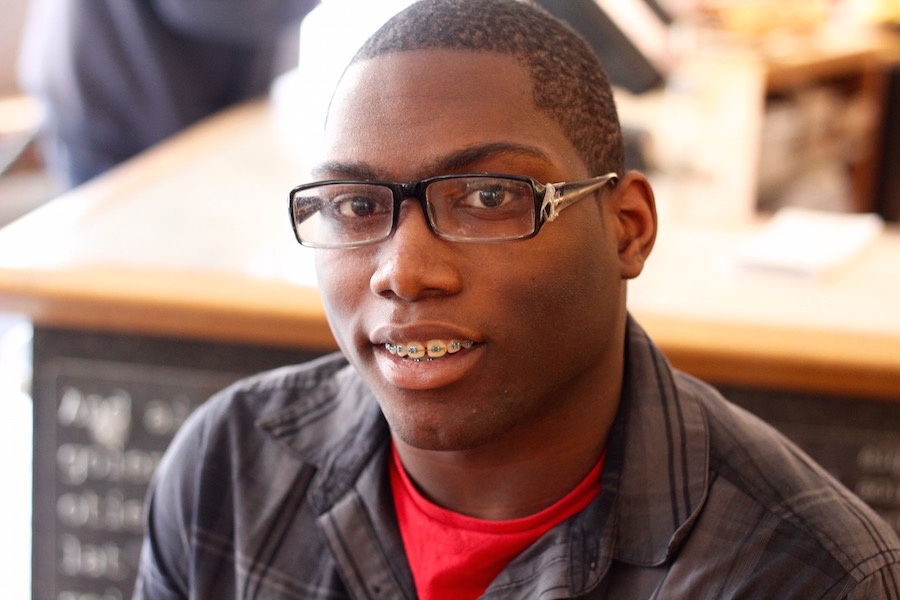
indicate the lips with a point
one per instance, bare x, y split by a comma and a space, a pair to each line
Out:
425, 355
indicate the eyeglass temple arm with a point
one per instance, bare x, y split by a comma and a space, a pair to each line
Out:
561, 195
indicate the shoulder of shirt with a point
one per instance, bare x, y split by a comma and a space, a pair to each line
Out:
286, 397
783, 480
295, 378
276, 389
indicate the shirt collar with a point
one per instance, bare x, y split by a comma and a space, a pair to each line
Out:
337, 428
658, 462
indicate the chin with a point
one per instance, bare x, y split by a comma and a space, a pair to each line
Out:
434, 434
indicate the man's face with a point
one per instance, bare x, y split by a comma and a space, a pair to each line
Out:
545, 314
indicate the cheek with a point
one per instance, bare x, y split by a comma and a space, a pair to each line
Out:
579, 263
343, 278
566, 301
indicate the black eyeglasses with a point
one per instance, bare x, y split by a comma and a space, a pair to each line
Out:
482, 207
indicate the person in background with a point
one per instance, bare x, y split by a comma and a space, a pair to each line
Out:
117, 76
497, 425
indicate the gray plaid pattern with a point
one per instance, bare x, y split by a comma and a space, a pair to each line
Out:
278, 488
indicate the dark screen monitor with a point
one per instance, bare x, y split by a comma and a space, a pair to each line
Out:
623, 53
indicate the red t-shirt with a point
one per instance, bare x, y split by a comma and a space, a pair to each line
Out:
456, 557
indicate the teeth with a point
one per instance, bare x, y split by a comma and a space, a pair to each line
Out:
435, 348
415, 350
429, 350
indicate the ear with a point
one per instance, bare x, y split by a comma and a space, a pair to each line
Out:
636, 223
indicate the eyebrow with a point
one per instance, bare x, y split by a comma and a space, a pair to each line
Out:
452, 163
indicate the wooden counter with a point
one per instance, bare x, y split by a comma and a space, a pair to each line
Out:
191, 239
835, 334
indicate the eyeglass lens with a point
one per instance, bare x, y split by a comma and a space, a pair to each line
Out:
459, 208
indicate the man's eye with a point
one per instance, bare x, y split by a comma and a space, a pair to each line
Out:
489, 197
495, 197
357, 207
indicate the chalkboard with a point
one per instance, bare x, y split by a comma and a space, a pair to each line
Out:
106, 407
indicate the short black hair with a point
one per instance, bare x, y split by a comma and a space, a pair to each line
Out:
568, 81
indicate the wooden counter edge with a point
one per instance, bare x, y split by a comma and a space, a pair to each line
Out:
188, 305
854, 364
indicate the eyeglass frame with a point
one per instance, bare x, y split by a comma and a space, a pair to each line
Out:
549, 200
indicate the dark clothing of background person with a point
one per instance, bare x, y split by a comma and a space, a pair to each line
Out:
117, 76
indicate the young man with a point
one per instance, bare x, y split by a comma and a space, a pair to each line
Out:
497, 425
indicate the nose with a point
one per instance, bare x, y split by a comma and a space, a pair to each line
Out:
414, 263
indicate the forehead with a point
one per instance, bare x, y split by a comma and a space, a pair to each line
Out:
401, 114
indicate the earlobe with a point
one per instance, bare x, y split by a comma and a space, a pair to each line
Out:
636, 219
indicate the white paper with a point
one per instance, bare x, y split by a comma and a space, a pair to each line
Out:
808, 243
